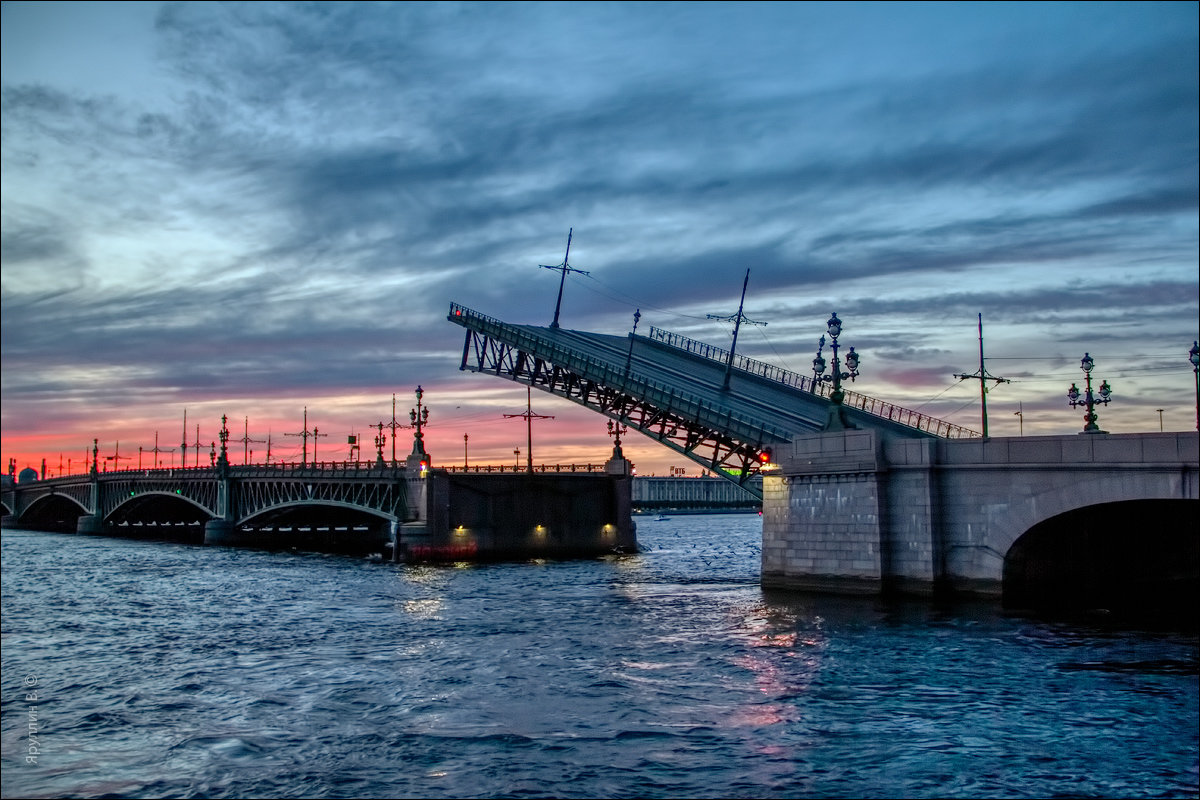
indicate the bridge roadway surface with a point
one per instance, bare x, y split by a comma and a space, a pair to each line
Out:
670, 388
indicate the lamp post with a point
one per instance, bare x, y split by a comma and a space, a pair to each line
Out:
837, 419
419, 417
465, 452
380, 441
1160, 423
637, 315
1088, 399
615, 429
1194, 357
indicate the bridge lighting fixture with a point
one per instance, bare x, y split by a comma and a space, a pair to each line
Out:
616, 430
837, 419
1087, 398
1194, 357
419, 417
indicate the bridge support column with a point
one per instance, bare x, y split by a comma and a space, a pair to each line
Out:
822, 516
221, 533
416, 530
90, 524
222, 530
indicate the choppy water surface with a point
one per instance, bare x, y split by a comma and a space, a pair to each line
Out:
169, 670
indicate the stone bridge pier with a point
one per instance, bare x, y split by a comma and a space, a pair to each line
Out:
853, 511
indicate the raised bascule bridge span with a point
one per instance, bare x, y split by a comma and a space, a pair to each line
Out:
887, 499
672, 389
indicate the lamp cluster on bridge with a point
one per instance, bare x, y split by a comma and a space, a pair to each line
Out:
837, 419
1194, 357
1087, 398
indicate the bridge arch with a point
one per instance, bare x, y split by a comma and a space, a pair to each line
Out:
159, 505
310, 509
314, 524
1122, 557
53, 511
1062, 492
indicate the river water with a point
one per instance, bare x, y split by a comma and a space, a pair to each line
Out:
142, 669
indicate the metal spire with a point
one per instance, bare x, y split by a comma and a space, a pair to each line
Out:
158, 450
246, 440
737, 320
529, 417
983, 377
564, 268
304, 434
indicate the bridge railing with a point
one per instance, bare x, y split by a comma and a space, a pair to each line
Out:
498, 468
753, 366
667, 397
878, 408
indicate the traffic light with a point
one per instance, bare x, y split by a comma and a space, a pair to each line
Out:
764, 456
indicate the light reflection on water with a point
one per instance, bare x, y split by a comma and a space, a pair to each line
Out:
184, 671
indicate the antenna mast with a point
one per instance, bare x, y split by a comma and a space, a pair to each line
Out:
246, 440
737, 320
564, 268
983, 377
529, 418
304, 434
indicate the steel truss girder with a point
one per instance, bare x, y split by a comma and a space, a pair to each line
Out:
115, 493
80, 493
385, 496
685, 429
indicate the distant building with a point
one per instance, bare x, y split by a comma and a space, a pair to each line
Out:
28, 475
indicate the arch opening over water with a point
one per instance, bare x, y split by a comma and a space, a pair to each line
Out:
1134, 558
59, 513
326, 527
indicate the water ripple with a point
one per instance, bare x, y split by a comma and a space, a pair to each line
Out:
169, 670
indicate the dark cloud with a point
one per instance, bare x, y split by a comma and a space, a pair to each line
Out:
327, 177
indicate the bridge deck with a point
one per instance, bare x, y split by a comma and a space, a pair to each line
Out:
671, 388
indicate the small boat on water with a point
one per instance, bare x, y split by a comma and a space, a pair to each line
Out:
661, 517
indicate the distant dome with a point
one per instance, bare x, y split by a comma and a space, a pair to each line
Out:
27, 475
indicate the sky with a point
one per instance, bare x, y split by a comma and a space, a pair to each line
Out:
264, 210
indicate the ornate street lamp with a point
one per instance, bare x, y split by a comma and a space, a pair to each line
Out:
380, 441
1088, 399
615, 430
419, 417
1194, 357
637, 315
837, 419
223, 435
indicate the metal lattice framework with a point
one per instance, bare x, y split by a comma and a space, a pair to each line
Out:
724, 442
253, 490
677, 390
382, 494
118, 491
78, 490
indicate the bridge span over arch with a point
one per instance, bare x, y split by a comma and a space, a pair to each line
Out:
674, 390
259, 497
853, 511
